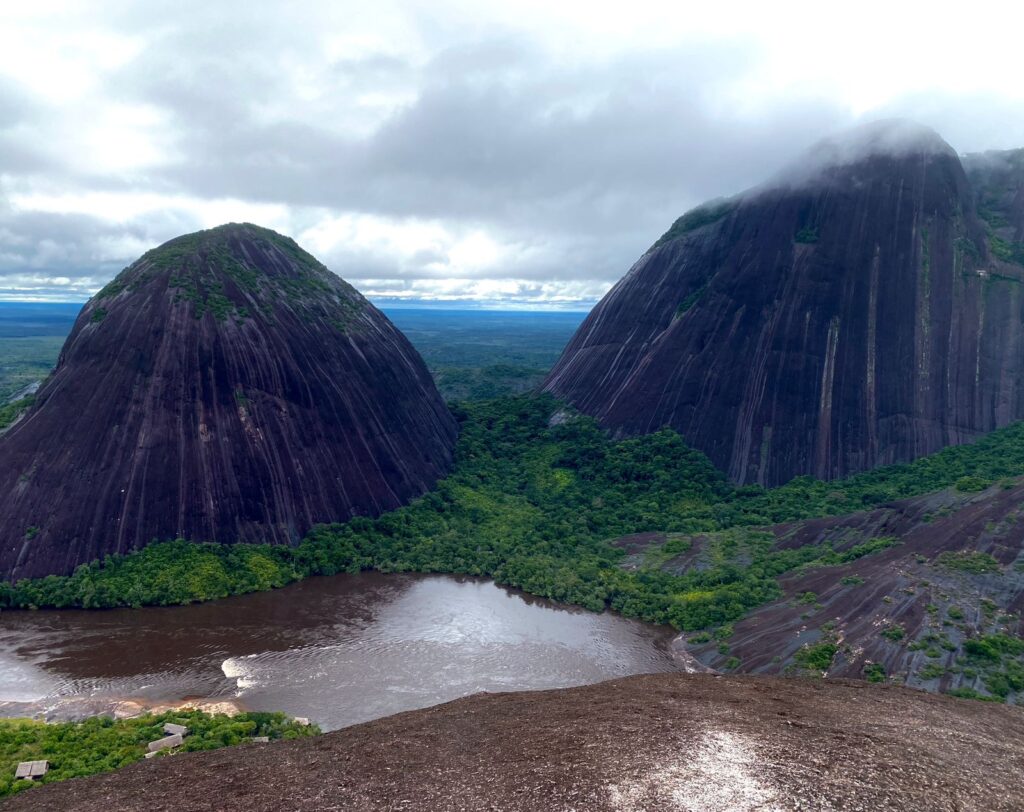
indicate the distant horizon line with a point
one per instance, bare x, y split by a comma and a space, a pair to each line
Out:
385, 304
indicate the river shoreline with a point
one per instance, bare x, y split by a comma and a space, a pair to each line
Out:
76, 709
339, 650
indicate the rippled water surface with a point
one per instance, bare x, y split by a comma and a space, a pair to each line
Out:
339, 650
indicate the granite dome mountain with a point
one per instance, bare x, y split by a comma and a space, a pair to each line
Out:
864, 307
225, 387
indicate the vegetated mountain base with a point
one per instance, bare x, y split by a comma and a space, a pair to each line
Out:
100, 744
226, 386
863, 308
927, 591
538, 495
643, 744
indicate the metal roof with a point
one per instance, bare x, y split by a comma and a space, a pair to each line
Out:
167, 741
32, 769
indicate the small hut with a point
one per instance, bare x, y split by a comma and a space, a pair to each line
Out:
31, 770
174, 740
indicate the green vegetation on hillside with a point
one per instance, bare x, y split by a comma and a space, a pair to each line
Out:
12, 411
100, 744
817, 657
968, 561
703, 215
1007, 250
203, 266
533, 506
690, 300
806, 235
1004, 249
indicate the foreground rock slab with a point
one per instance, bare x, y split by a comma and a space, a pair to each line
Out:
654, 742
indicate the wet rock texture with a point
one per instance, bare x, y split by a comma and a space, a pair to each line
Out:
226, 387
648, 743
906, 586
851, 313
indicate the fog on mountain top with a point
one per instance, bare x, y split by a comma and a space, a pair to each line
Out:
474, 153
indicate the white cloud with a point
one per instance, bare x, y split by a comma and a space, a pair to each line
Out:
524, 153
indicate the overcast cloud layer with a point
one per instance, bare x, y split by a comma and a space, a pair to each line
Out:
518, 155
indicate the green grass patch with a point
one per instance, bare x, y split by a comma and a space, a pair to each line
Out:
967, 561
971, 693
816, 657
895, 632
101, 744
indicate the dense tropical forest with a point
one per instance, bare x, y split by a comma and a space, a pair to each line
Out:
536, 498
100, 743
475, 355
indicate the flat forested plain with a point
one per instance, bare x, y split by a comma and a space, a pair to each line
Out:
31, 336
472, 354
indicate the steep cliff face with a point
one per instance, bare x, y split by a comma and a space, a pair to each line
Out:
225, 387
848, 314
997, 179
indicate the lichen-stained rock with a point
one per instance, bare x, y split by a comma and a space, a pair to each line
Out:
225, 387
849, 314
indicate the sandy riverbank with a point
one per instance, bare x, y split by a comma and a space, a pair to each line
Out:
71, 708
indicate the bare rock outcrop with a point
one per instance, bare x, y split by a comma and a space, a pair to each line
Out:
857, 310
225, 387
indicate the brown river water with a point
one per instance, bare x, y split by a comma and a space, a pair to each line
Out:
339, 650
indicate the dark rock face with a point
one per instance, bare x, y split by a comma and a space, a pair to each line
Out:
997, 179
225, 387
850, 314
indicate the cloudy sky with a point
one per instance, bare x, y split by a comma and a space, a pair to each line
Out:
522, 153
